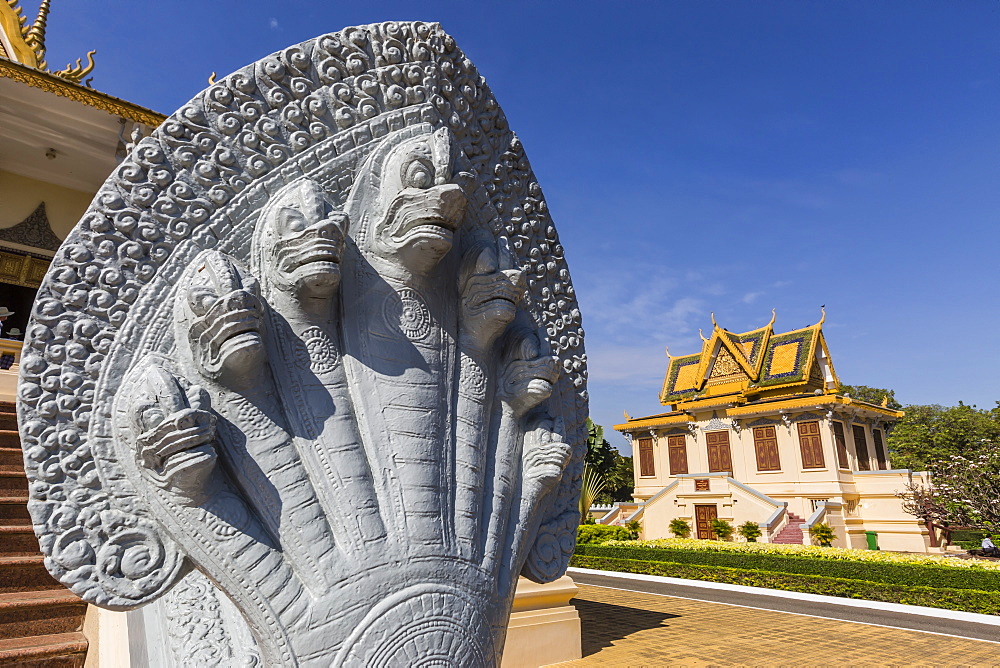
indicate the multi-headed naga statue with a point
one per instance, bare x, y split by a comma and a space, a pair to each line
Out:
316, 339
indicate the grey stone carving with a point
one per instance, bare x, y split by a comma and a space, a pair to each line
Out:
316, 339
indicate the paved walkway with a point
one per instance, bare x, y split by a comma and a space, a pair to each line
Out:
636, 629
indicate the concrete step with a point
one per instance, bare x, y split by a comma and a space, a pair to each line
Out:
10, 438
60, 650
17, 540
14, 510
13, 483
25, 573
12, 460
8, 421
36, 613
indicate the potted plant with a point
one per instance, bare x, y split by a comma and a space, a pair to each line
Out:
680, 528
823, 534
750, 531
723, 529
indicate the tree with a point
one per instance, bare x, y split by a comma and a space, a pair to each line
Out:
963, 491
873, 395
593, 485
614, 469
929, 434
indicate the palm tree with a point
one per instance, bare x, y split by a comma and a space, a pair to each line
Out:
593, 485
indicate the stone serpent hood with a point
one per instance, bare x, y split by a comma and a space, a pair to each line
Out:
410, 394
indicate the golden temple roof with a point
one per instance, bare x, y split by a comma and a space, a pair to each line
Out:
751, 363
25, 44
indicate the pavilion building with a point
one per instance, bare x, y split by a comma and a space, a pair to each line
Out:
758, 431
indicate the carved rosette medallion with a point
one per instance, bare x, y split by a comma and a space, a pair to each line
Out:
315, 338
320, 351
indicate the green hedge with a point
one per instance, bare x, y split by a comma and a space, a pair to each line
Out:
598, 533
888, 573
968, 535
969, 600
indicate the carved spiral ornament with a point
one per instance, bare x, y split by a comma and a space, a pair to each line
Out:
318, 203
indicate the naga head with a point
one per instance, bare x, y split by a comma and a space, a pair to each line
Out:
411, 206
174, 433
490, 295
299, 241
219, 317
527, 377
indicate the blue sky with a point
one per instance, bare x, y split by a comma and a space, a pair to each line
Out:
700, 156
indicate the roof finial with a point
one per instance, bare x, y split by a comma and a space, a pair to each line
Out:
666, 349
16, 8
714, 324
702, 334
823, 317
36, 36
774, 315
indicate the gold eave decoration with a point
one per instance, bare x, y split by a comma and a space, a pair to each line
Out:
825, 401
28, 42
90, 97
646, 423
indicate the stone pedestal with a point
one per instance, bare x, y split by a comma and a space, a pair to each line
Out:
544, 629
544, 626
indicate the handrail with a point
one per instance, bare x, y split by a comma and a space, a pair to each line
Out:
607, 517
637, 513
751, 490
775, 518
662, 492
820, 513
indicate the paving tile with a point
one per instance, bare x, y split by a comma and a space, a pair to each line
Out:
635, 630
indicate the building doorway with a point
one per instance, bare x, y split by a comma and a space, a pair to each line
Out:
703, 516
18, 299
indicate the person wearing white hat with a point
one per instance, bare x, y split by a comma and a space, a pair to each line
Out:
4, 314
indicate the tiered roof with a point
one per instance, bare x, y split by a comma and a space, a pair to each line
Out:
750, 363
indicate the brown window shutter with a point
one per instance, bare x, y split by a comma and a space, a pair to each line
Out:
811, 445
883, 461
765, 442
677, 449
841, 441
719, 459
861, 448
646, 457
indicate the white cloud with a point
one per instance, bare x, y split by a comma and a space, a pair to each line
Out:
751, 297
273, 22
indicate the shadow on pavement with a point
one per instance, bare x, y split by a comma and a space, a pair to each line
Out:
603, 623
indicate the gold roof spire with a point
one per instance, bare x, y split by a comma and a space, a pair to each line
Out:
35, 37
28, 43
774, 314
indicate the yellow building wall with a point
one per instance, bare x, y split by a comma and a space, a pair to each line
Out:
20, 196
868, 497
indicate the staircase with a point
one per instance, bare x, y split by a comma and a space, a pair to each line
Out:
40, 620
791, 533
